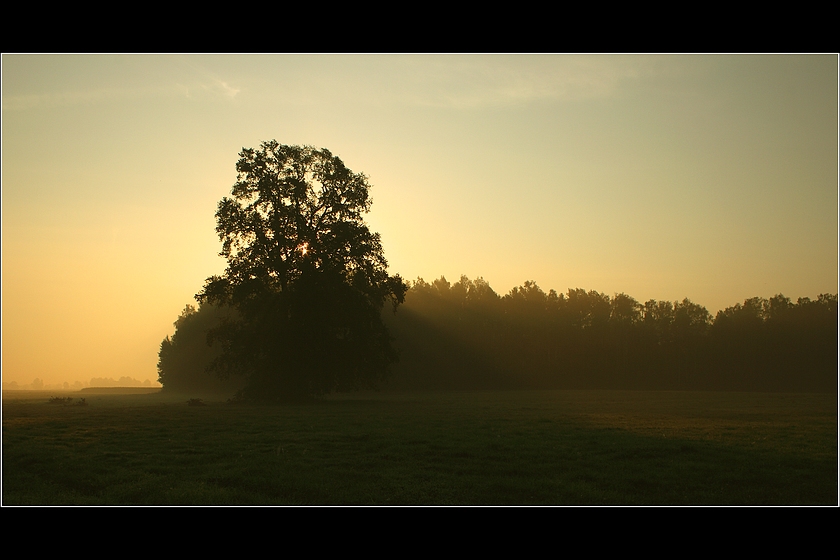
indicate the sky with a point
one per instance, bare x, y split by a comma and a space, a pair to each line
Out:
713, 178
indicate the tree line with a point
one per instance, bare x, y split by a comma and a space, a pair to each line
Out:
466, 336
451, 333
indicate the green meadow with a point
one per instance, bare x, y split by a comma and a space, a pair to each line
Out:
455, 448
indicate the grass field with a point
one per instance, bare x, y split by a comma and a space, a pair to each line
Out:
550, 447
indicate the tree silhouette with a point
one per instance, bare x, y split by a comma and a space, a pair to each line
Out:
183, 358
307, 276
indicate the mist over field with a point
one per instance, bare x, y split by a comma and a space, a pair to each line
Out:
38, 385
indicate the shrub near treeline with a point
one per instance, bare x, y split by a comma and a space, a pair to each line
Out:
465, 336
185, 357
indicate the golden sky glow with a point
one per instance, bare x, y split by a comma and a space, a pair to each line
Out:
707, 177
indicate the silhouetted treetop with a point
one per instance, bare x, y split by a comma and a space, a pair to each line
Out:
305, 273
293, 209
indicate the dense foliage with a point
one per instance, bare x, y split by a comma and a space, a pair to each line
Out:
185, 357
306, 276
464, 335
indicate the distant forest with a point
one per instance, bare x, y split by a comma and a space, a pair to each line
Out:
465, 336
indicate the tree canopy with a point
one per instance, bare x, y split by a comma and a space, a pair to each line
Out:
306, 275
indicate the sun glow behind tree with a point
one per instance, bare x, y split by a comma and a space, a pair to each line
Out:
306, 276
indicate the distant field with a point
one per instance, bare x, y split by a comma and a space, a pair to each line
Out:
549, 447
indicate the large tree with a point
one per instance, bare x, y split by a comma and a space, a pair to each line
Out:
308, 277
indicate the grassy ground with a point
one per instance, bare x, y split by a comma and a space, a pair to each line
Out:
551, 447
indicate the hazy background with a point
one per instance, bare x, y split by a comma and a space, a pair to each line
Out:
707, 177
